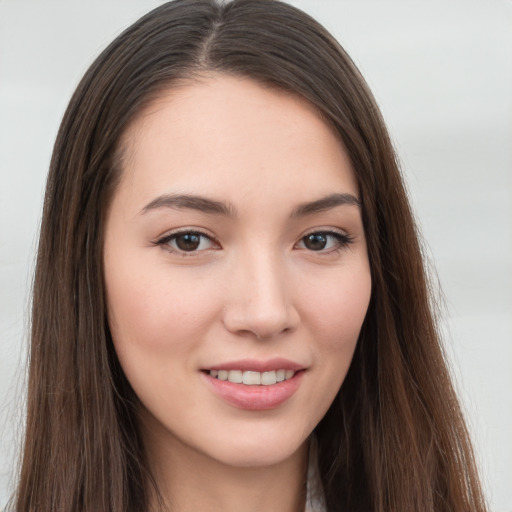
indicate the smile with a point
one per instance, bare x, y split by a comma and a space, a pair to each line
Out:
255, 385
253, 378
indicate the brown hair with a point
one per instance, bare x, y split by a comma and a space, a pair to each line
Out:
394, 438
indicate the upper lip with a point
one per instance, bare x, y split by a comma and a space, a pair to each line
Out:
256, 365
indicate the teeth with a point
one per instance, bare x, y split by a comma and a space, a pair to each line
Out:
235, 376
268, 378
250, 378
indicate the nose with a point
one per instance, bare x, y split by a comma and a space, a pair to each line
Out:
259, 299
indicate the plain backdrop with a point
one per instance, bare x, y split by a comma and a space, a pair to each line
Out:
441, 71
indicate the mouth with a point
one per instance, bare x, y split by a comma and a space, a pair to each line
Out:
253, 378
255, 385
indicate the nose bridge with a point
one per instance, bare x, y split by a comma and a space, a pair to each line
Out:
260, 300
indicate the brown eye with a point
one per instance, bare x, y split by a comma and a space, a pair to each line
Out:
187, 241
325, 241
315, 241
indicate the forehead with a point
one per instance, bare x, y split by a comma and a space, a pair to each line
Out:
225, 135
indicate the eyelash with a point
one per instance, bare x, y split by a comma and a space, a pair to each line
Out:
165, 241
342, 241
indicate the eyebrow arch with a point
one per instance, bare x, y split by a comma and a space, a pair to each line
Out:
211, 206
325, 203
192, 202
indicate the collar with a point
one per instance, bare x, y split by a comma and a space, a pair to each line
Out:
315, 500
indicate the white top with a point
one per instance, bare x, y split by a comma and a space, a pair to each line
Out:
315, 501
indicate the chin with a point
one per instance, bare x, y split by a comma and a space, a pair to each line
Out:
257, 452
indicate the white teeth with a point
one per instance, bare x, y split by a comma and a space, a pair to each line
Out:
268, 378
235, 376
250, 378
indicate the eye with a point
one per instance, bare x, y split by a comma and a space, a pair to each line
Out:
324, 241
187, 242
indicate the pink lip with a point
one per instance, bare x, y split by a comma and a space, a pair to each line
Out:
258, 366
255, 398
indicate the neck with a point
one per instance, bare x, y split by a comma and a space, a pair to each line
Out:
189, 481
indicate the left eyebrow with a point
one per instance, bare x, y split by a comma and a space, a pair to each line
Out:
325, 203
192, 202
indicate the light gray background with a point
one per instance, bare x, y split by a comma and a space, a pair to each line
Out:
441, 71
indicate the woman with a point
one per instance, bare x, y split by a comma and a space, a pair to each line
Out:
230, 306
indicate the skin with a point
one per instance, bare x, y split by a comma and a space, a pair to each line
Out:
254, 288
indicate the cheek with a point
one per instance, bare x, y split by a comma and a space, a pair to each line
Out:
336, 310
155, 313
333, 311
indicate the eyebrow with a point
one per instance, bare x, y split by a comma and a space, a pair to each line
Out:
191, 202
325, 203
210, 206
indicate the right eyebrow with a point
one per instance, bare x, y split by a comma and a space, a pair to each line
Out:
192, 202
326, 203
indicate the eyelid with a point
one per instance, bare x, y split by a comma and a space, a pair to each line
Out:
164, 240
343, 239
327, 231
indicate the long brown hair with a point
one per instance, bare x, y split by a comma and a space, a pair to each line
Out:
394, 438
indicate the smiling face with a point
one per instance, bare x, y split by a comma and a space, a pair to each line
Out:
234, 249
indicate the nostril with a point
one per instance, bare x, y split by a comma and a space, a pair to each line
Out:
261, 327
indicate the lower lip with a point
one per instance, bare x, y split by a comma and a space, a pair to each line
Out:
254, 398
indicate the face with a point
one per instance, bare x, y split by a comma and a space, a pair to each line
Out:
236, 270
